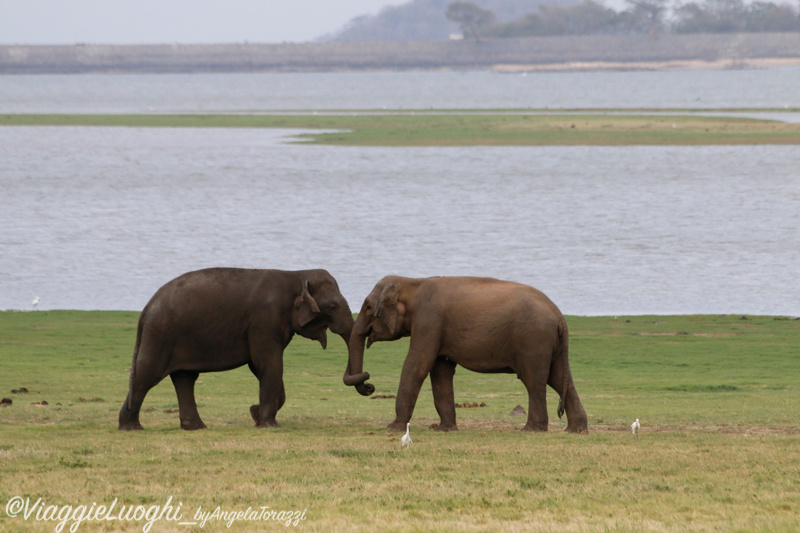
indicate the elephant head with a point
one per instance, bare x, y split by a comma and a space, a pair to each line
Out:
381, 319
320, 306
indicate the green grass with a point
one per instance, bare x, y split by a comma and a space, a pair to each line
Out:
466, 129
717, 397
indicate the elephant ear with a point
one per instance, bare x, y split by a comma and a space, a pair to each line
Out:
389, 307
388, 297
306, 306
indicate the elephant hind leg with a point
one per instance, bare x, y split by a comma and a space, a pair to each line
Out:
129, 413
184, 380
443, 395
559, 379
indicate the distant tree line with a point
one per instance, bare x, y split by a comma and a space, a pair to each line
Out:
641, 16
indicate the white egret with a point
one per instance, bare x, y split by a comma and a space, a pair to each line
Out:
635, 427
35, 303
406, 440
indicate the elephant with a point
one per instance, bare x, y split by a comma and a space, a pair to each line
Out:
222, 318
483, 324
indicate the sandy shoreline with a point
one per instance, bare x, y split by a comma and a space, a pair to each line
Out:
695, 64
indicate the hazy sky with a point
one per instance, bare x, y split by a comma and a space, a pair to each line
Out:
176, 21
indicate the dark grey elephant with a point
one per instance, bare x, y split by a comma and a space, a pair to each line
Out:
222, 318
482, 324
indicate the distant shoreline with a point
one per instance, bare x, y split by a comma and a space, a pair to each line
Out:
696, 64
591, 52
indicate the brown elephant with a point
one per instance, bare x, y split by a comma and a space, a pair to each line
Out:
482, 324
222, 318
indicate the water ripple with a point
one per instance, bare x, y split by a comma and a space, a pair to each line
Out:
99, 218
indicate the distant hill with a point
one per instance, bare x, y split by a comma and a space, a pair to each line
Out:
424, 20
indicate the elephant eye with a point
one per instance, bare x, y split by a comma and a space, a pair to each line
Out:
330, 307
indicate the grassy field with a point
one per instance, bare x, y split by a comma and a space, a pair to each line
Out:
718, 398
439, 128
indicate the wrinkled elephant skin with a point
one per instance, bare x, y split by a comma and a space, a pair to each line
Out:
223, 318
482, 324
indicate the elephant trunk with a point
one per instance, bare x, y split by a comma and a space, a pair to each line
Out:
342, 325
346, 337
354, 375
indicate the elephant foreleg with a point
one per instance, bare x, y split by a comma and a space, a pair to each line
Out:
443, 395
533, 376
537, 408
184, 380
267, 366
255, 410
271, 398
416, 368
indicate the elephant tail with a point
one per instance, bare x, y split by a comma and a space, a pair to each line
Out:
139, 329
563, 352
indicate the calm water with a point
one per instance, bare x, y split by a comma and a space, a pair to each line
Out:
776, 87
99, 218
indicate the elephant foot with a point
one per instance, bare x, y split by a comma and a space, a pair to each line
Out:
577, 423
446, 427
128, 419
535, 427
396, 426
577, 430
254, 414
193, 426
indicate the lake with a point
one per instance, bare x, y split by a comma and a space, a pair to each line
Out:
257, 92
99, 218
